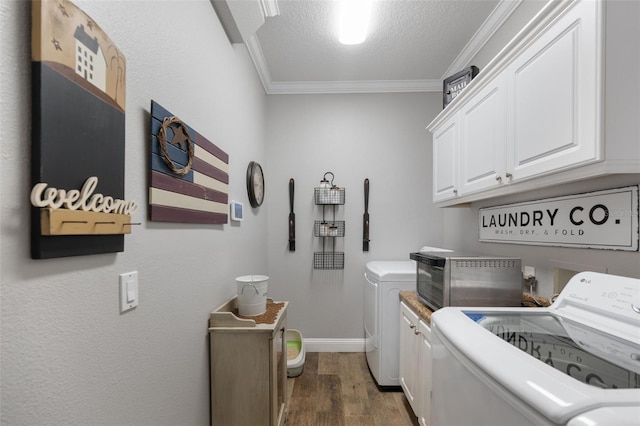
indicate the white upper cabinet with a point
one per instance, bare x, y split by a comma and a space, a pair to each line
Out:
482, 138
553, 112
537, 115
445, 169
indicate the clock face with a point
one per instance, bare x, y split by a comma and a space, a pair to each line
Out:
255, 184
258, 184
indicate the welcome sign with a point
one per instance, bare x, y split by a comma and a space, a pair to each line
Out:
602, 220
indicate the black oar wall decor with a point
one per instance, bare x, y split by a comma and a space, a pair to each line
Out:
292, 218
365, 219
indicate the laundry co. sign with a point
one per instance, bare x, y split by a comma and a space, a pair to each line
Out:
602, 219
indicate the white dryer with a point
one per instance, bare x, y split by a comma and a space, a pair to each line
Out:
576, 363
384, 280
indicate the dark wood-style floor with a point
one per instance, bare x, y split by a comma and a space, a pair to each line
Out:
336, 389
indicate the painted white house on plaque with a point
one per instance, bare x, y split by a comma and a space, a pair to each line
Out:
90, 62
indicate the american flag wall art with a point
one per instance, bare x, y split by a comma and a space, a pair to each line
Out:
181, 190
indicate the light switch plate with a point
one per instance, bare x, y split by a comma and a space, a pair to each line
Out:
128, 291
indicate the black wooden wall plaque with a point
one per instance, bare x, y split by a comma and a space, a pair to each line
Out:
78, 118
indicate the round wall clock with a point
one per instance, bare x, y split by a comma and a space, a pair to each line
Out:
255, 184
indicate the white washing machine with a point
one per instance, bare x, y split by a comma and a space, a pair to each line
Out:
575, 363
384, 280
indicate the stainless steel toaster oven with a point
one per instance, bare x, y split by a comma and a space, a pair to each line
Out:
460, 279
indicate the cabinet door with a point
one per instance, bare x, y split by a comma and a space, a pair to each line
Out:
409, 346
482, 138
553, 113
424, 374
279, 379
445, 161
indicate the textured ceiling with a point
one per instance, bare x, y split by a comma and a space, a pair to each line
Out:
411, 45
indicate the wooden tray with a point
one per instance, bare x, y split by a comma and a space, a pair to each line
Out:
227, 315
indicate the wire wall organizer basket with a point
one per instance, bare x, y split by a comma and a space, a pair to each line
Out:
328, 228
328, 196
328, 260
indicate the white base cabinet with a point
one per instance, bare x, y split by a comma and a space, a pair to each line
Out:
409, 346
415, 363
547, 109
424, 374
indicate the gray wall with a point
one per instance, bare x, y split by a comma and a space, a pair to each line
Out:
381, 137
68, 355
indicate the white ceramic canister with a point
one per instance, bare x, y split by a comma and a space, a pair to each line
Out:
252, 294
323, 196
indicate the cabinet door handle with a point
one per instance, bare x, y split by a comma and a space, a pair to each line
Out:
412, 325
498, 178
509, 175
416, 332
455, 191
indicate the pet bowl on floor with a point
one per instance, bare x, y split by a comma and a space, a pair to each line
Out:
295, 353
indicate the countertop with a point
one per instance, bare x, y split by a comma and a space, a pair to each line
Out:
424, 312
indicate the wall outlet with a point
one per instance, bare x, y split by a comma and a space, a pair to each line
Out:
529, 271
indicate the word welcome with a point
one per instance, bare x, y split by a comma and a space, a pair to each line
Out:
83, 199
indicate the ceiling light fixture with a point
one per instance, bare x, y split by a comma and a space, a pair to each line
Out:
354, 20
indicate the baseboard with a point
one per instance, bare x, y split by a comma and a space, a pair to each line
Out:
333, 345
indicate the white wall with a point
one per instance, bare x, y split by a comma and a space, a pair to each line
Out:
68, 355
377, 136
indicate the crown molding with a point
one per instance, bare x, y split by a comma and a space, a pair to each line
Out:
270, 8
364, 86
257, 56
496, 19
